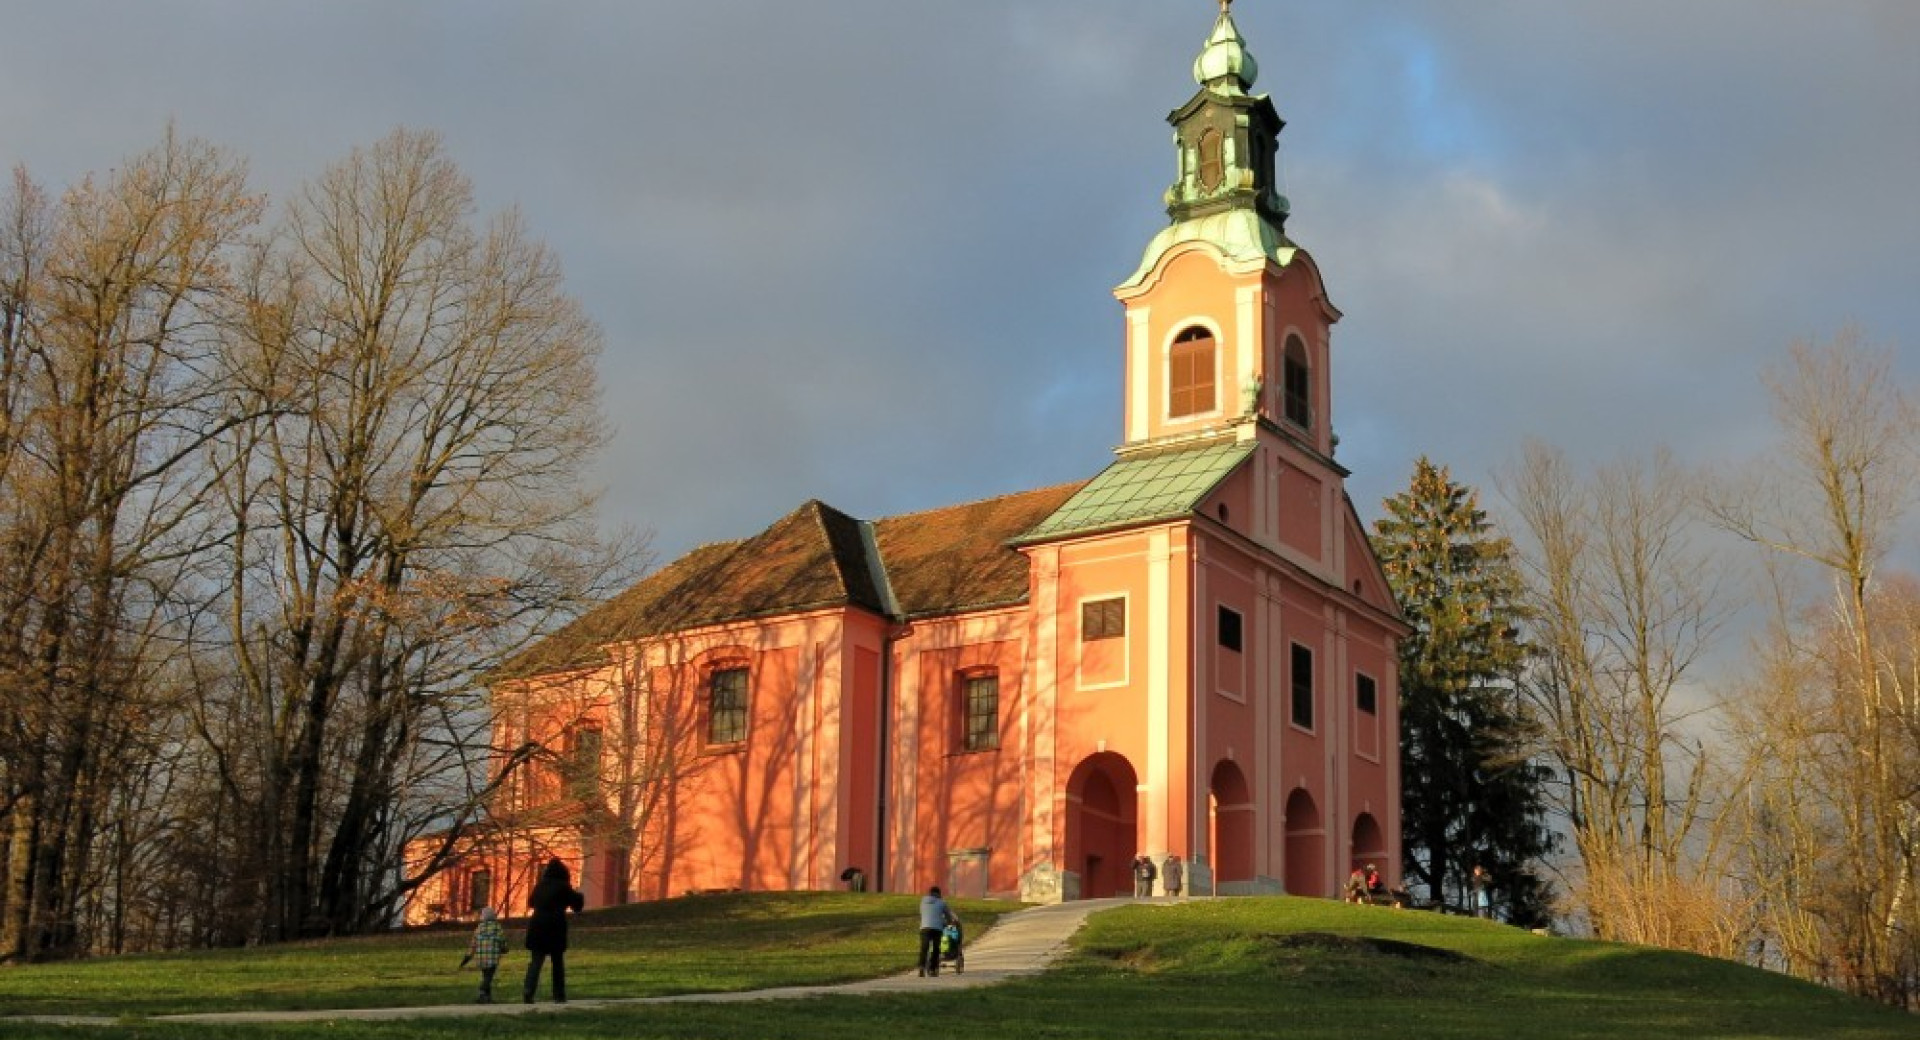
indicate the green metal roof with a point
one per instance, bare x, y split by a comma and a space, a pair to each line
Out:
1143, 488
1225, 65
1243, 235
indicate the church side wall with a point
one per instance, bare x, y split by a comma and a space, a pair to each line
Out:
788, 807
959, 808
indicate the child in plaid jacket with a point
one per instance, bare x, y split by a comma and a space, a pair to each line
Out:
488, 945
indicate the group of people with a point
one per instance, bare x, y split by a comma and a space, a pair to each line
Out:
546, 941
1172, 875
553, 895
1364, 885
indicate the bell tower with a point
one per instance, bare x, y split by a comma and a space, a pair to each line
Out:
1213, 637
1227, 319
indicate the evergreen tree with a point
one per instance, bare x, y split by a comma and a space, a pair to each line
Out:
1471, 793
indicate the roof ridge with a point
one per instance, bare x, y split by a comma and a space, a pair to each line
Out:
877, 564
981, 501
820, 511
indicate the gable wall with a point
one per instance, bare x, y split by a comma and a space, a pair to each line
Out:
1345, 762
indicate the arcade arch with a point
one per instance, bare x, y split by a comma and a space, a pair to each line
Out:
1306, 873
1103, 824
1231, 842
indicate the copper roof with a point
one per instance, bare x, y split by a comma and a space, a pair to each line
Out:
1143, 488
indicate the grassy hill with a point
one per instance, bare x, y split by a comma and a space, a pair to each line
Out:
1296, 968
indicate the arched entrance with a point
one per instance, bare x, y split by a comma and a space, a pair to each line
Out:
1306, 846
1369, 845
1102, 808
1231, 842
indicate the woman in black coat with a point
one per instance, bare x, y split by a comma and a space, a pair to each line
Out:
552, 897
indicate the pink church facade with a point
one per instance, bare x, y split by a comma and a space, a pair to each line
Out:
1191, 654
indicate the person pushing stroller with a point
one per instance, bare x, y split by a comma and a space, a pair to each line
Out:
939, 933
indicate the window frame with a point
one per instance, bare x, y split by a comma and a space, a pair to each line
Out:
1193, 343
1296, 388
583, 748
736, 733
973, 735
479, 889
1366, 694
1221, 613
1108, 628
1300, 686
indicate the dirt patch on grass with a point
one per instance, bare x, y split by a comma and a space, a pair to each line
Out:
1312, 958
1362, 944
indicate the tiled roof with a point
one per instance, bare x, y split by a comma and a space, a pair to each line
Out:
940, 561
952, 559
811, 558
1141, 489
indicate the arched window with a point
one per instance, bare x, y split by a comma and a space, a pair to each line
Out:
1190, 389
1299, 395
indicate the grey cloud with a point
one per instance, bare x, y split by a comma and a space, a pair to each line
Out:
863, 250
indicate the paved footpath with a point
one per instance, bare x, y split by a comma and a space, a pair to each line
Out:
1025, 942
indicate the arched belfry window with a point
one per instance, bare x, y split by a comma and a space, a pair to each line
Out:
1212, 163
1190, 389
1298, 384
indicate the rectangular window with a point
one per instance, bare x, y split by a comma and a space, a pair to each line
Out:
614, 891
581, 766
981, 724
479, 890
1364, 696
1299, 395
1103, 619
1230, 629
1302, 686
727, 707
1299, 410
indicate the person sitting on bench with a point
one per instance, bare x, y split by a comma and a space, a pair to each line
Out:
1356, 889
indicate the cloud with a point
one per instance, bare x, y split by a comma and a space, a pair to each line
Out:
862, 251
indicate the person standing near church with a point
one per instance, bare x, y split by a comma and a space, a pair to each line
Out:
1143, 875
552, 897
1173, 875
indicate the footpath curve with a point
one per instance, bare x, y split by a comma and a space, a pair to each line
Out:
1025, 942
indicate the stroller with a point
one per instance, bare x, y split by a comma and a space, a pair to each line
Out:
952, 946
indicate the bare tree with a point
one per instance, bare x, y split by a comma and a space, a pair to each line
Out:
1835, 843
108, 403
1625, 602
403, 513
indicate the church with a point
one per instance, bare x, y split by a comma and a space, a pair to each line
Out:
1190, 654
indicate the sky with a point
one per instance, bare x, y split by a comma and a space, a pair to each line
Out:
863, 250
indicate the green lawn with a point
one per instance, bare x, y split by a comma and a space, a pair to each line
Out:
696, 944
1280, 967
